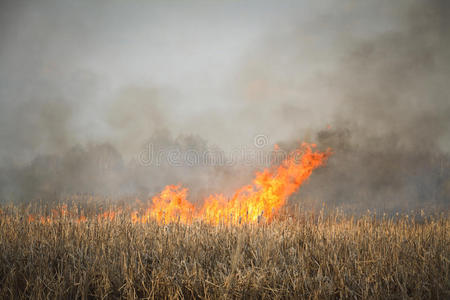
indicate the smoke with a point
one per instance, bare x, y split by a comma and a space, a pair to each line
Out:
389, 132
394, 115
83, 96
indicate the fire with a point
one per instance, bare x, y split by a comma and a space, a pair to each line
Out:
269, 191
171, 206
108, 215
253, 203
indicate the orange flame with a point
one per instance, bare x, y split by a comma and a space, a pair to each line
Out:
171, 206
249, 204
253, 203
269, 191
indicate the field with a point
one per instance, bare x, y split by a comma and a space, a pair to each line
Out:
300, 255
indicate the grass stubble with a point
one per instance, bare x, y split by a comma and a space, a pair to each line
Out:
323, 256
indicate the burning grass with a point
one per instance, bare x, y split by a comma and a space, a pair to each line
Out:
246, 246
304, 255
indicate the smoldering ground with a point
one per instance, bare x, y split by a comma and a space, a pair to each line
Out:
83, 93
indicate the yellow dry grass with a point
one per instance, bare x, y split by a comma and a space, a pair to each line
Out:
305, 256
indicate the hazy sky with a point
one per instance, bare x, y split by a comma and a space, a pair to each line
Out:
367, 78
79, 71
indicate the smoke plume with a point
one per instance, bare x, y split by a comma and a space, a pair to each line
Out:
85, 96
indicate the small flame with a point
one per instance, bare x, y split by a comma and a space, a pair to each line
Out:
171, 206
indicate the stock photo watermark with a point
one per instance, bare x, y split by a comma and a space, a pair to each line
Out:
256, 155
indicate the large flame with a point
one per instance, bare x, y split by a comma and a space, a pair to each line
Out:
249, 204
269, 191
253, 203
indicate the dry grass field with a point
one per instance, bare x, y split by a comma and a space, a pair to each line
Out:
318, 256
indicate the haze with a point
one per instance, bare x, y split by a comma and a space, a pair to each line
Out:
367, 78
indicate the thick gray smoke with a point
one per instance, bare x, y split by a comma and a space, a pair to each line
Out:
390, 132
86, 88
